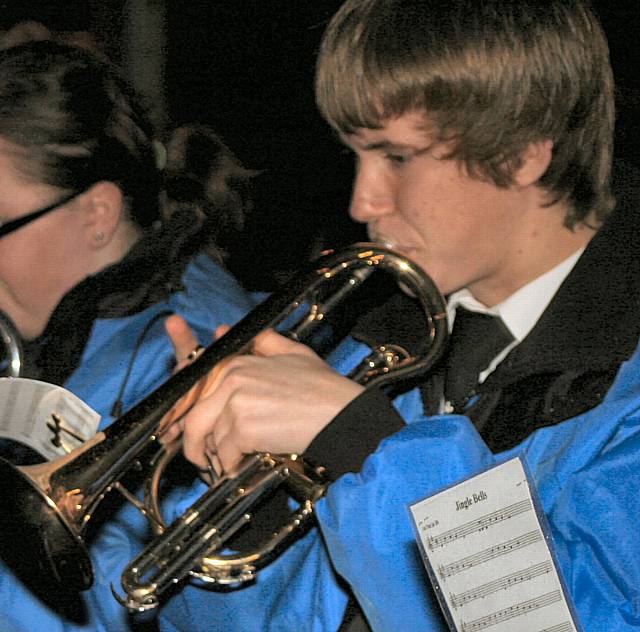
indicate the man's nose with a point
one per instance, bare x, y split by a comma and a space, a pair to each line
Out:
372, 196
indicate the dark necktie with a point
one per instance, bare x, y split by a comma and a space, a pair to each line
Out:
475, 340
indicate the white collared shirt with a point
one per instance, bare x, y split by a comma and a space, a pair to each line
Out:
520, 311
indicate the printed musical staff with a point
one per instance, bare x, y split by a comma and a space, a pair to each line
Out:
492, 552
479, 524
565, 626
511, 612
503, 583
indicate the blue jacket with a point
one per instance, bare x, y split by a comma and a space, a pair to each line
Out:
586, 472
210, 297
587, 475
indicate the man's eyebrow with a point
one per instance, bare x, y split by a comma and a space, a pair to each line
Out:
386, 145
354, 141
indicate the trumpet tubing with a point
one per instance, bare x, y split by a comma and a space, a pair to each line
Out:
45, 509
188, 544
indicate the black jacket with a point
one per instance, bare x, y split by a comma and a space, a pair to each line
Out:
570, 358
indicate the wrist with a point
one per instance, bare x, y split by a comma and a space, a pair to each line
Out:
356, 431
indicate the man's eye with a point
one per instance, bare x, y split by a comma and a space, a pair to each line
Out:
398, 159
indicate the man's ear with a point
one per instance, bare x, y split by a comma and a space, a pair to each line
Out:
104, 210
534, 163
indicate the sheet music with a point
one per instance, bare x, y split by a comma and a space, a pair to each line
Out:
46, 417
488, 557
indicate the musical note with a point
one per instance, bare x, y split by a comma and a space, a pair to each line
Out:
59, 429
502, 583
479, 524
511, 612
492, 552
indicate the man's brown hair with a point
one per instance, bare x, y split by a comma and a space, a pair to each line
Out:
491, 75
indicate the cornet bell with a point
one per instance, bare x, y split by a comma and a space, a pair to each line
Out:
36, 541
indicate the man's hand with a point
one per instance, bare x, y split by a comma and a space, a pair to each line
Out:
275, 400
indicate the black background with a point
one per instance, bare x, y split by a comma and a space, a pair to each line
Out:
246, 68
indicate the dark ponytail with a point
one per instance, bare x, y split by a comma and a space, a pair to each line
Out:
203, 175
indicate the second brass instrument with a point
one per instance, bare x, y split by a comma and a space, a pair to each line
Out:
11, 358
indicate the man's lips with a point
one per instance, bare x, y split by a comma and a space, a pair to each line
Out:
390, 243
383, 240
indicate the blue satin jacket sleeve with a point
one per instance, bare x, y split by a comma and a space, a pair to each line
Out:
587, 473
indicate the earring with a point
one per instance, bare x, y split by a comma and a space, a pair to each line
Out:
98, 237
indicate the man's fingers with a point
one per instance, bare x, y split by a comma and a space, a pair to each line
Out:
182, 338
220, 440
221, 330
171, 433
228, 455
199, 425
269, 343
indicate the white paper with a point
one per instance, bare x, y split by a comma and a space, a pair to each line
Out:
488, 556
45, 417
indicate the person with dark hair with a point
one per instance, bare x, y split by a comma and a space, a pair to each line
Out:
482, 133
99, 244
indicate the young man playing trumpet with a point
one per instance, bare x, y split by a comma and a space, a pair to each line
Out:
482, 134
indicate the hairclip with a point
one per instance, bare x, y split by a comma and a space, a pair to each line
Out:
160, 153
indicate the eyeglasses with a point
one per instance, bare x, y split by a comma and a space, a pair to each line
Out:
19, 222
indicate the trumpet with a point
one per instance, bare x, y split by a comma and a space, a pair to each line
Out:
45, 508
